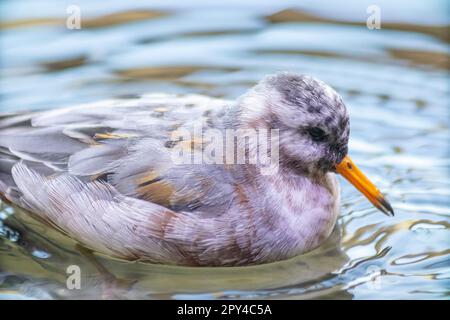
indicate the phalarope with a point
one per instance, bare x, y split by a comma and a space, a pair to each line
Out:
102, 173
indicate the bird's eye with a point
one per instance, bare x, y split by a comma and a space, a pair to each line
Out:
317, 134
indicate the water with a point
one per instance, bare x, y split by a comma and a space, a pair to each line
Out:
394, 81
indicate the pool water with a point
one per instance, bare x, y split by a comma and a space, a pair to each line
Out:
394, 81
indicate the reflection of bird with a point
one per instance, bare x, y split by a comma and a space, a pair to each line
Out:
104, 175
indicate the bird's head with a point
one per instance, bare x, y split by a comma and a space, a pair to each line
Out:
313, 126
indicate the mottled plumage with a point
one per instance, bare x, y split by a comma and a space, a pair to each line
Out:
102, 174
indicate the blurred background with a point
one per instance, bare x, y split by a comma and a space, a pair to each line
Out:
394, 81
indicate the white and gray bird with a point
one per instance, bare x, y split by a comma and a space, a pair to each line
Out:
103, 174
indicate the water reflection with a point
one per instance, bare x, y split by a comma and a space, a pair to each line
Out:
140, 280
394, 81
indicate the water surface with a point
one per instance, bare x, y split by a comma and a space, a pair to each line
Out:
393, 80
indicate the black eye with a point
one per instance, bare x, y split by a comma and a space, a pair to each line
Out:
317, 134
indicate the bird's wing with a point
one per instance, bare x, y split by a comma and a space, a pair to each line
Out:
97, 215
125, 143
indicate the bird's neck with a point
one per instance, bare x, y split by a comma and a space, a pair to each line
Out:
295, 213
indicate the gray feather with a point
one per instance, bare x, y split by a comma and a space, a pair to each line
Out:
95, 160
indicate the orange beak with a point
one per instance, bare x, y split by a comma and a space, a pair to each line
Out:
353, 175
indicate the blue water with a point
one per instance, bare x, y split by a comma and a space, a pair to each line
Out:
394, 81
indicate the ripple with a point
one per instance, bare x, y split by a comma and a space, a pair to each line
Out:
394, 82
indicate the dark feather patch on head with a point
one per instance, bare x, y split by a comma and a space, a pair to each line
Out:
311, 105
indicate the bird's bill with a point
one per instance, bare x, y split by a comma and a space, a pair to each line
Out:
350, 171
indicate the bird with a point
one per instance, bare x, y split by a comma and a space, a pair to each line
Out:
104, 174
